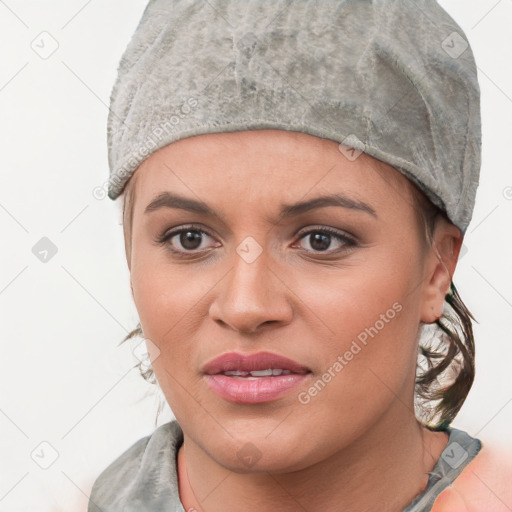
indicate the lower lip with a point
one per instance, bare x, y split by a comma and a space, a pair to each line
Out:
253, 391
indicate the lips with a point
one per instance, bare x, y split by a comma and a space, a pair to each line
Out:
253, 378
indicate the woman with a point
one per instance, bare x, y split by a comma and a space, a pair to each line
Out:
297, 179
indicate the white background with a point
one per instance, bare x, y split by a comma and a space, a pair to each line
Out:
64, 380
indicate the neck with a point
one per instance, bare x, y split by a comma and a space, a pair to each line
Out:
384, 469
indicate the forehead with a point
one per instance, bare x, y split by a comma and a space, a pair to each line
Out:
273, 166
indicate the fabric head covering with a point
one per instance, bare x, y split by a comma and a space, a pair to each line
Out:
393, 78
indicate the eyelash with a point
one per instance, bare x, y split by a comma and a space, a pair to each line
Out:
163, 239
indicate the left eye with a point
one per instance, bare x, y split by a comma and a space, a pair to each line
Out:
321, 239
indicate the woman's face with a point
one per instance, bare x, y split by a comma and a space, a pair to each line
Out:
338, 285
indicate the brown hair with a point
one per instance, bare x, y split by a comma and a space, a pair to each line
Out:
446, 352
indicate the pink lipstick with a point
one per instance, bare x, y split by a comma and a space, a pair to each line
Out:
253, 378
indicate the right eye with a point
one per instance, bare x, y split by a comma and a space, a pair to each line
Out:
190, 238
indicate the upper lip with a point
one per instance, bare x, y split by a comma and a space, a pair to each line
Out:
252, 362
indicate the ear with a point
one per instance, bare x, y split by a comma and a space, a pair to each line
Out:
128, 259
440, 264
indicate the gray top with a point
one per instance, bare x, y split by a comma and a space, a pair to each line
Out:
144, 478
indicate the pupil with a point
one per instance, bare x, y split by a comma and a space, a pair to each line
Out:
323, 241
189, 239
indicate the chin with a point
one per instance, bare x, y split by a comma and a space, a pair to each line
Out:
253, 462
258, 452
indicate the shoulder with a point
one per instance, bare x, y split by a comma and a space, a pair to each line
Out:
116, 483
106, 488
484, 484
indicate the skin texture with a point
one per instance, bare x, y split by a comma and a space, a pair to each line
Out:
356, 445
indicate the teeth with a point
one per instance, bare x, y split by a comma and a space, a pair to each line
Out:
261, 373
281, 372
270, 372
236, 373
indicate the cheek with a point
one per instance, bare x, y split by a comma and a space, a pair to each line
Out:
166, 298
172, 304
369, 318
380, 293
162, 292
165, 301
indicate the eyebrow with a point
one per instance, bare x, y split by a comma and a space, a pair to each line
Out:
172, 200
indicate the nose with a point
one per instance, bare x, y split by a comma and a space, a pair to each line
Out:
251, 295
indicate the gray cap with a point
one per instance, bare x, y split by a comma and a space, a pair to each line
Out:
393, 78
